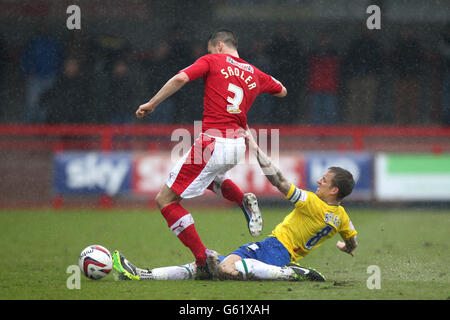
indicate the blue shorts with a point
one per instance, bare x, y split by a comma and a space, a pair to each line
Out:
270, 251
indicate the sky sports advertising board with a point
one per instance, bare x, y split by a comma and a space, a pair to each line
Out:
143, 174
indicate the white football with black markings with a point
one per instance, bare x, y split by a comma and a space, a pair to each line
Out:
95, 262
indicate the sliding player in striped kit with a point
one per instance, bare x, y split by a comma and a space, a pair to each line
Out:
231, 86
316, 216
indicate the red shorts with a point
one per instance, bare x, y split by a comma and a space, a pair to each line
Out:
208, 159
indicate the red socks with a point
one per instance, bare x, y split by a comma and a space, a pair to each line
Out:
181, 224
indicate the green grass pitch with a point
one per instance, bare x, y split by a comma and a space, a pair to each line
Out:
410, 247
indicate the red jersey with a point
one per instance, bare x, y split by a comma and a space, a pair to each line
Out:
231, 86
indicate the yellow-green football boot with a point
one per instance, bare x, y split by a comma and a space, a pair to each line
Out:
125, 269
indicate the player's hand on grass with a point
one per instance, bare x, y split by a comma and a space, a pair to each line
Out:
341, 246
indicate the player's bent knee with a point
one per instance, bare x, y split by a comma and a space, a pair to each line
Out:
160, 201
165, 197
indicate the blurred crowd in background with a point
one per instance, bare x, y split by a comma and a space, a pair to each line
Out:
103, 79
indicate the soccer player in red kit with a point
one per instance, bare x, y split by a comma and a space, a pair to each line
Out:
231, 86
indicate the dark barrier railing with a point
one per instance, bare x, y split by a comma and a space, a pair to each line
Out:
28, 149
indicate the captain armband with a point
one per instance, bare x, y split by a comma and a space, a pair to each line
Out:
295, 194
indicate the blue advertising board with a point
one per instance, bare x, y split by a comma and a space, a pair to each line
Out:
92, 173
358, 163
113, 173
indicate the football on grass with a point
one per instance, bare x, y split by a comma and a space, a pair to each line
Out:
95, 262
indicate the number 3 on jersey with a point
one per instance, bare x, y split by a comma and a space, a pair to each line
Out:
236, 100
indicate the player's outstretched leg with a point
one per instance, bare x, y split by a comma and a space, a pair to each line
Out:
247, 202
235, 268
184, 272
128, 271
302, 274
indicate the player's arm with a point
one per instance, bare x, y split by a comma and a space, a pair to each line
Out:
348, 245
272, 173
272, 86
171, 86
282, 93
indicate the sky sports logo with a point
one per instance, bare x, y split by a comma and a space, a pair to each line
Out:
92, 172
